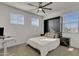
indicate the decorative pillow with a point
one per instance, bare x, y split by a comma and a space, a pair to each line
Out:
51, 35
56, 35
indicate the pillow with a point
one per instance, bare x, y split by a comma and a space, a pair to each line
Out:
51, 35
56, 35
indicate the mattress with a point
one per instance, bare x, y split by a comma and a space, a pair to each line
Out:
43, 42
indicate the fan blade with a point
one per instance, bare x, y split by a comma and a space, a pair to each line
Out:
43, 11
47, 4
37, 11
40, 4
32, 5
47, 8
33, 9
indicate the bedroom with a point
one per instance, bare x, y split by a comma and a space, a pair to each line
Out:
27, 28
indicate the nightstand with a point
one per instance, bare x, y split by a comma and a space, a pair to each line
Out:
65, 41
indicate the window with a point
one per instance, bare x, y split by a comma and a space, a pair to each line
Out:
16, 18
70, 22
35, 21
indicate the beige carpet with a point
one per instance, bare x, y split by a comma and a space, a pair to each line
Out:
24, 50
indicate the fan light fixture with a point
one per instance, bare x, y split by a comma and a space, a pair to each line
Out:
40, 9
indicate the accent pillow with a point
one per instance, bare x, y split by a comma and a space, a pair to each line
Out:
51, 35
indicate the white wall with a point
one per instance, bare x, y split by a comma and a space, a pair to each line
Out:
21, 33
74, 38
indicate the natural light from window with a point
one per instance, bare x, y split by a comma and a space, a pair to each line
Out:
70, 22
17, 18
35, 21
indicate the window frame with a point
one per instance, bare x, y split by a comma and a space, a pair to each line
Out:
18, 20
36, 21
72, 22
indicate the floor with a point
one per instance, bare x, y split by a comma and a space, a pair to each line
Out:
24, 50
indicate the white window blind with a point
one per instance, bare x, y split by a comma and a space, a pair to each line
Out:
17, 18
35, 21
70, 22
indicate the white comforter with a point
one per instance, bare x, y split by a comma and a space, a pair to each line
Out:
44, 44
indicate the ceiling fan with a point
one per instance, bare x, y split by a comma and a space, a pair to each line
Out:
41, 7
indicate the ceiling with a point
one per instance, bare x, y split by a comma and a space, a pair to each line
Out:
56, 6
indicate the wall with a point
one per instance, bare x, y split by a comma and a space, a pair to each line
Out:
74, 38
21, 33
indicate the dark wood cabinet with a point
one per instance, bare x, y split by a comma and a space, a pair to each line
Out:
64, 41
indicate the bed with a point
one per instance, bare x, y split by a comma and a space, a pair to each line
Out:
44, 44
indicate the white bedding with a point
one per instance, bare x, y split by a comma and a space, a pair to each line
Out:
44, 44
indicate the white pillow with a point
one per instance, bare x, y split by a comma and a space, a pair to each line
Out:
51, 35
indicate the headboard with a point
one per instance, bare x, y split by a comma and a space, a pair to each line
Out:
52, 24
